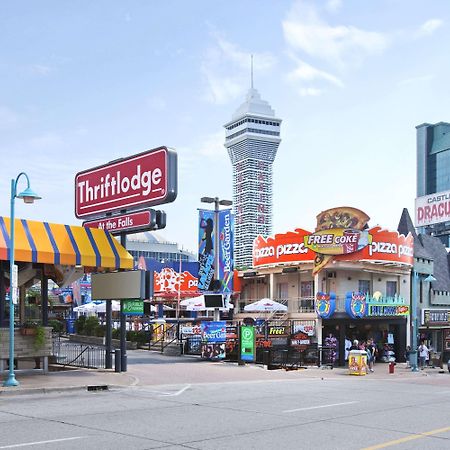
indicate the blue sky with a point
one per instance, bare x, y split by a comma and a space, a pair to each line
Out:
86, 82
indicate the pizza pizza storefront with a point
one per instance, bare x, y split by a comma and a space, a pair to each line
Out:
353, 280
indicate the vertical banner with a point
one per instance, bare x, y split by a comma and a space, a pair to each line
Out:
205, 249
226, 256
247, 336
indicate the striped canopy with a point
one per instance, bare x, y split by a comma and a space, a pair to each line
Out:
51, 243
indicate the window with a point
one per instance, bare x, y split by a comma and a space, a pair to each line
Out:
364, 286
306, 289
282, 290
391, 288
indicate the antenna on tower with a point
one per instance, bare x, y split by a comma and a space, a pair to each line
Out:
251, 70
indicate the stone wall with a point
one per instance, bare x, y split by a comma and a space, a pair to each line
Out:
24, 345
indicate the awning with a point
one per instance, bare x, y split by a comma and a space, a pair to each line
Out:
51, 243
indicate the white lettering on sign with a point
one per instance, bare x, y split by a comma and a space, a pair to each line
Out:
390, 248
291, 249
114, 184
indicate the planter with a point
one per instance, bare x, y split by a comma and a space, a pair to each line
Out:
28, 331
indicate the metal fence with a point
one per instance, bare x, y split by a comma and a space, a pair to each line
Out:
79, 355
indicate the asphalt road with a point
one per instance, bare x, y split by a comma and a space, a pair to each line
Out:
291, 411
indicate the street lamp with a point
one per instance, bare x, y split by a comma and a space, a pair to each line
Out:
216, 202
414, 319
28, 196
179, 286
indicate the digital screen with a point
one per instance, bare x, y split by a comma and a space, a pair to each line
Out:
213, 301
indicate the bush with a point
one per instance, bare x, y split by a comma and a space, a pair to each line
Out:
56, 325
91, 325
100, 331
116, 333
80, 325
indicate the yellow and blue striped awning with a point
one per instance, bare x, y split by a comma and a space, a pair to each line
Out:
51, 243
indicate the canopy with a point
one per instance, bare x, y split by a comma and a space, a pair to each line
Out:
198, 304
265, 304
57, 244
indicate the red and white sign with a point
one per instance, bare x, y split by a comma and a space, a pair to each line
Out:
146, 179
134, 221
386, 246
434, 208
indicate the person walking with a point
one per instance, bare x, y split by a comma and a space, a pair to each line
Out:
423, 355
370, 350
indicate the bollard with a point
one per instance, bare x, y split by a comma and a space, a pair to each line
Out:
117, 360
391, 367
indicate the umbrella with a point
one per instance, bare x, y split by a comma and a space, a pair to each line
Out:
265, 304
101, 307
192, 300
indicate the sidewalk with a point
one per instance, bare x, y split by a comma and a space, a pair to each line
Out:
178, 370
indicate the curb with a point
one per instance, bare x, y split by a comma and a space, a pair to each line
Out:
11, 392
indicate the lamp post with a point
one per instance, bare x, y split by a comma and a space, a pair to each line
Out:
28, 196
179, 287
217, 203
414, 319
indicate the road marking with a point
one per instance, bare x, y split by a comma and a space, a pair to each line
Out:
318, 407
408, 438
174, 394
42, 442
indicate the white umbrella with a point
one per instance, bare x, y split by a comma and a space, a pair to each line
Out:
265, 304
101, 307
165, 308
192, 300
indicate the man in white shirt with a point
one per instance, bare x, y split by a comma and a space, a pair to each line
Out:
423, 355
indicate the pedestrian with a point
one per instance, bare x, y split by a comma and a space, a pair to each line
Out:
371, 351
423, 355
407, 356
348, 346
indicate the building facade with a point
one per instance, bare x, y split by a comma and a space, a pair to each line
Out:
433, 169
360, 293
252, 138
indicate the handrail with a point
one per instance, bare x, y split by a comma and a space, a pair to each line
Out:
163, 339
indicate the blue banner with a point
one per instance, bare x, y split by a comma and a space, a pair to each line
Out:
325, 304
226, 256
214, 332
205, 249
355, 304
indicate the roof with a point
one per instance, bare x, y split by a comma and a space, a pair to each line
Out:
406, 226
254, 105
58, 244
438, 252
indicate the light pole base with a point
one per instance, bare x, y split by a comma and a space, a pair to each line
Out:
11, 381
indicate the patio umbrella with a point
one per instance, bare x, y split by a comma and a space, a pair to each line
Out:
190, 301
101, 307
265, 304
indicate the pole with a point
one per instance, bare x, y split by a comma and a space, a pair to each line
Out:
216, 250
123, 322
414, 329
108, 335
11, 381
179, 288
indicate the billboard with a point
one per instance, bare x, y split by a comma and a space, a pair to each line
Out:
206, 245
431, 209
118, 285
138, 221
226, 256
146, 179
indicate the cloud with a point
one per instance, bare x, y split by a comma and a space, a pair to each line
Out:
339, 46
429, 27
226, 70
40, 69
333, 5
308, 73
414, 80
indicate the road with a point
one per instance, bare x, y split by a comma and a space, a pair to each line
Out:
223, 406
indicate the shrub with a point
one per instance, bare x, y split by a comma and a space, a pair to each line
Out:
91, 325
80, 325
116, 333
56, 325
100, 331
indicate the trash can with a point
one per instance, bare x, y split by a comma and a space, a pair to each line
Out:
70, 326
357, 362
391, 367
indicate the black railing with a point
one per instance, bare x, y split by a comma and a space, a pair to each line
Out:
162, 335
78, 355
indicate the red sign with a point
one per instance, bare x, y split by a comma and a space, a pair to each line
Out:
146, 179
386, 246
134, 221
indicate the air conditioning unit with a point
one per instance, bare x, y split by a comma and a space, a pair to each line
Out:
331, 274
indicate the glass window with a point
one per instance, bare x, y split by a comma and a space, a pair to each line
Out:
364, 286
282, 290
391, 288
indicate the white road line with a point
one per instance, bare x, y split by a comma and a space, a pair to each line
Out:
27, 444
318, 407
174, 394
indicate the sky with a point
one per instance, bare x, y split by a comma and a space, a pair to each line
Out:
87, 82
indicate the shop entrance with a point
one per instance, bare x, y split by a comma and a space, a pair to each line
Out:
389, 336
